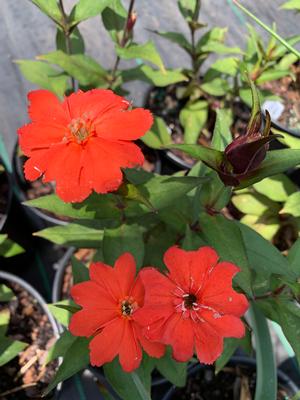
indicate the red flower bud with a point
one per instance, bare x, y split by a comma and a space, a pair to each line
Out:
245, 153
131, 21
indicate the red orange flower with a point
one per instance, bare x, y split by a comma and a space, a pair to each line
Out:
109, 302
82, 142
193, 307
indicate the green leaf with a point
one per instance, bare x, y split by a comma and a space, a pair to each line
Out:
63, 310
145, 51
219, 48
6, 294
216, 34
286, 313
266, 225
114, 18
213, 194
292, 205
222, 135
216, 87
227, 66
262, 255
8, 248
86, 9
288, 140
71, 364
276, 162
129, 386
158, 136
177, 38
255, 204
193, 117
50, 8
44, 76
76, 41
9, 349
291, 5
226, 238
80, 272
272, 75
4, 321
266, 381
73, 235
152, 76
230, 346
293, 257
125, 238
277, 188
189, 9
61, 346
97, 206
287, 61
173, 371
81, 67
209, 156
191, 241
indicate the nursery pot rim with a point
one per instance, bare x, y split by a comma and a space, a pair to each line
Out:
60, 267
42, 302
9, 197
247, 361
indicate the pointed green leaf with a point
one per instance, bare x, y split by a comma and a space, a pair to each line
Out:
255, 204
173, 371
146, 51
177, 38
193, 117
85, 9
222, 135
71, 364
125, 238
293, 257
80, 272
76, 41
6, 294
4, 321
292, 205
73, 235
276, 188
9, 349
8, 248
152, 76
50, 8
158, 136
114, 17
61, 346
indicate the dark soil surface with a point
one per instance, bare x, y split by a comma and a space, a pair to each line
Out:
28, 323
232, 383
289, 90
85, 256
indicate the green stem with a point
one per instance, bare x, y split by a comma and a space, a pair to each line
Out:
268, 29
140, 387
266, 381
67, 32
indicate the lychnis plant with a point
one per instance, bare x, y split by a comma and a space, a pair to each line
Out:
161, 289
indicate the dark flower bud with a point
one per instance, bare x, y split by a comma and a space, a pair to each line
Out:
245, 153
131, 21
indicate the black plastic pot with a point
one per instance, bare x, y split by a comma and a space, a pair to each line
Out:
5, 276
6, 182
60, 267
283, 380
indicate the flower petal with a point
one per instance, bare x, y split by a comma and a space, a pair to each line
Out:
91, 295
39, 135
106, 345
179, 334
87, 321
202, 261
153, 349
130, 355
125, 125
105, 276
125, 272
159, 288
225, 325
178, 262
45, 106
209, 345
218, 292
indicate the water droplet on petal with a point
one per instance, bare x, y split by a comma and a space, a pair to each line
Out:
148, 328
230, 299
216, 315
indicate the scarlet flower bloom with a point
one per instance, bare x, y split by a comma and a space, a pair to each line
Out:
194, 305
82, 142
109, 302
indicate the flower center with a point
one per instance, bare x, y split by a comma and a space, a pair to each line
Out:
190, 300
80, 129
126, 308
